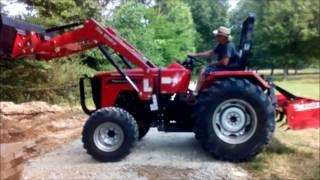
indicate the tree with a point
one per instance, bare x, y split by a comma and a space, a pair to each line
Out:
288, 24
130, 21
54, 81
285, 32
64, 11
163, 32
207, 16
174, 29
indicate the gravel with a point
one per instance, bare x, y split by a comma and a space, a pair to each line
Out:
158, 155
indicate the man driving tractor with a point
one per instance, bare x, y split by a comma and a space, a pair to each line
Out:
225, 51
233, 118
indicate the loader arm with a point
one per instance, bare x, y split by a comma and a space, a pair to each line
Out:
19, 40
86, 36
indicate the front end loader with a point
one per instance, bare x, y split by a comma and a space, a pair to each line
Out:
233, 116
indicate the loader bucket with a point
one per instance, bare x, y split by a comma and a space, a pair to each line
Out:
301, 113
9, 28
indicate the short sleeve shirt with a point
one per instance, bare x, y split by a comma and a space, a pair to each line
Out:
226, 50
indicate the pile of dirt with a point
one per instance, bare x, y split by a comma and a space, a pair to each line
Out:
40, 125
12, 161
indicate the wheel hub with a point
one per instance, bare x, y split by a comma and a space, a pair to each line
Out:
108, 136
234, 121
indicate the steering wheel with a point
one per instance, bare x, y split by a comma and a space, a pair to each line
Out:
189, 62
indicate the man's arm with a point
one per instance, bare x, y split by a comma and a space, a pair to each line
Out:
227, 53
203, 54
224, 61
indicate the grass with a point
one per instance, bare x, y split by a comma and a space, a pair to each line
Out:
291, 154
291, 71
307, 85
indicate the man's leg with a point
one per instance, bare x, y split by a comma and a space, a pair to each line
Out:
204, 73
200, 79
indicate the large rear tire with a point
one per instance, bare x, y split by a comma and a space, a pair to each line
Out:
109, 134
233, 119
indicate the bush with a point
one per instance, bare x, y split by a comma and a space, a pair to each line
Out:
53, 81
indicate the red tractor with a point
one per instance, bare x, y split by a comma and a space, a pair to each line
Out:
233, 116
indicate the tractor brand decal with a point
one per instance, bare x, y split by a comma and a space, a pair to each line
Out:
100, 31
169, 80
146, 86
307, 106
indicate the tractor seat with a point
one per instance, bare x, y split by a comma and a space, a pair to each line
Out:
245, 45
239, 65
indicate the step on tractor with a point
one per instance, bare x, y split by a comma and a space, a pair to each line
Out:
233, 116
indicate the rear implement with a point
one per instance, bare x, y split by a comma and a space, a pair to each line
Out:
300, 112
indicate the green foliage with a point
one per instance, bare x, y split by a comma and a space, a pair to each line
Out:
174, 30
57, 80
130, 21
163, 33
286, 32
52, 13
54, 82
286, 35
207, 16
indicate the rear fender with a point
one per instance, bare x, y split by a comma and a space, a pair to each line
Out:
249, 75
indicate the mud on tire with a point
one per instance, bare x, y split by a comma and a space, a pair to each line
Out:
109, 134
233, 119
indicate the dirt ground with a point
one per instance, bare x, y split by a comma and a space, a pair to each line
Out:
52, 134
157, 156
38, 125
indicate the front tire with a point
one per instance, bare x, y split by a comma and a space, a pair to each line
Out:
109, 134
234, 119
